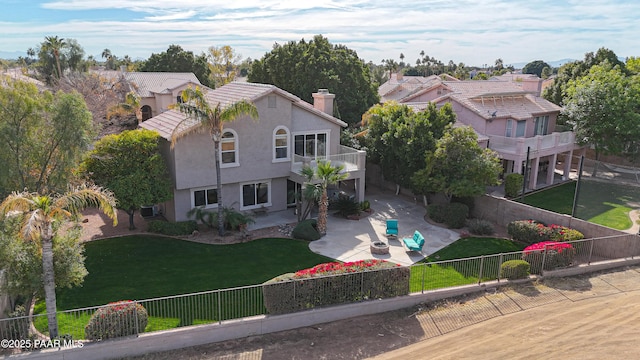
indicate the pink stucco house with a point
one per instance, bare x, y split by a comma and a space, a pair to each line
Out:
507, 113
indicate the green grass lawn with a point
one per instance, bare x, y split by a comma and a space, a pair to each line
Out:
141, 267
435, 272
602, 203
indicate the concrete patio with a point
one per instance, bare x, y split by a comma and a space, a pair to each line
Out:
349, 240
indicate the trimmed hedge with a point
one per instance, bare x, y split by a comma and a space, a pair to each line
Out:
173, 229
117, 319
514, 269
528, 231
294, 292
454, 215
306, 230
513, 184
436, 212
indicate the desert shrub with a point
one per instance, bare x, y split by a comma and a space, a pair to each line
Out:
513, 184
436, 212
315, 287
514, 269
467, 200
456, 215
528, 231
558, 255
306, 230
480, 227
117, 319
232, 217
346, 206
563, 233
173, 229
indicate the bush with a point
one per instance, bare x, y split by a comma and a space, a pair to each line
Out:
456, 215
306, 230
365, 205
480, 227
528, 231
563, 233
514, 269
513, 184
117, 319
436, 212
346, 206
173, 229
18, 326
314, 287
467, 200
232, 218
558, 255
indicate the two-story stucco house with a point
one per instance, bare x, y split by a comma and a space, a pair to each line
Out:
260, 159
508, 115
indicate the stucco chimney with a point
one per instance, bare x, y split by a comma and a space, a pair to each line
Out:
323, 101
399, 76
532, 85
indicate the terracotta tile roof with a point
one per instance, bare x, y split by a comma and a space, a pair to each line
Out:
226, 95
503, 98
396, 90
148, 83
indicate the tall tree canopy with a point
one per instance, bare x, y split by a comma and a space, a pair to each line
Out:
175, 59
399, 139
130, 165
603, 107
535, 67
458, 166
224, 63
302, 68
42, 137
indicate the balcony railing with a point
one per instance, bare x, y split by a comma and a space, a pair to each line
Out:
539, 144
350, 158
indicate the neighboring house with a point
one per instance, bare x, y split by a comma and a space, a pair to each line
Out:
260, 159
509, 116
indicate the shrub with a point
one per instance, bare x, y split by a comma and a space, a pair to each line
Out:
513, 184
313, 287
232, 218
365, 205
514, 269
480, 227
436, 212
528, 231
117, 319
467, 200
562, 233
456, 215
18, 326
306, 230
173, 229
346, 206
558, 255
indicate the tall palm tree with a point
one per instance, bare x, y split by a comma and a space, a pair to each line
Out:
40, 212
54, 44
209, 119
324, 175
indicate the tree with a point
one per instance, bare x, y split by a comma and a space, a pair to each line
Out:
459, 167
223, 62
42, 137
602, 107
40, 214
499, 64
130, 106
175, 59
535, 67
130, 165
546, 72
211, 118
323, 175
54, 45
302, 68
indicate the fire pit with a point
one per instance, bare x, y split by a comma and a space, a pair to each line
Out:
379, 248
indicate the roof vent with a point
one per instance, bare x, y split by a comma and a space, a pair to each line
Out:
323, 91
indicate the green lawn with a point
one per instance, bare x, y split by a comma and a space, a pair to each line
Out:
602, 203
142, 267
435, 272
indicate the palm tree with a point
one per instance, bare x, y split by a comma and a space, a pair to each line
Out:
54, 45
40, 212
324, 175
210, 119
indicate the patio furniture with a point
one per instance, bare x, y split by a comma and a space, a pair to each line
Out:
392, 227
415, 243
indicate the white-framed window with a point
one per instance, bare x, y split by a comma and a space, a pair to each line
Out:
204, 197
229, 149
281, 144
541, 125
312, 145
521, 126
509, 131
255, 194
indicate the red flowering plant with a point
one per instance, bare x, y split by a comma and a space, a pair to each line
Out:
121, 318
334, 268
558, 254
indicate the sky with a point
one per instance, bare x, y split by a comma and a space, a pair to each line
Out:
475, 32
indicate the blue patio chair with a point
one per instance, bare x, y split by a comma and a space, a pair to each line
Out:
415, 243
392, 227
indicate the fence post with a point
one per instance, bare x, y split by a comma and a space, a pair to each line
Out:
424, 270
499, 266
362, 284
219, 308
135, 316
481, 266
635, 242
590, 252
544, 260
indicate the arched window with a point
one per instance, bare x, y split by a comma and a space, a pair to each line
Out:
281, 144
146, 112
229, 148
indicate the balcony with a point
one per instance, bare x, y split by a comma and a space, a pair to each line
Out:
540, 145
353, 160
